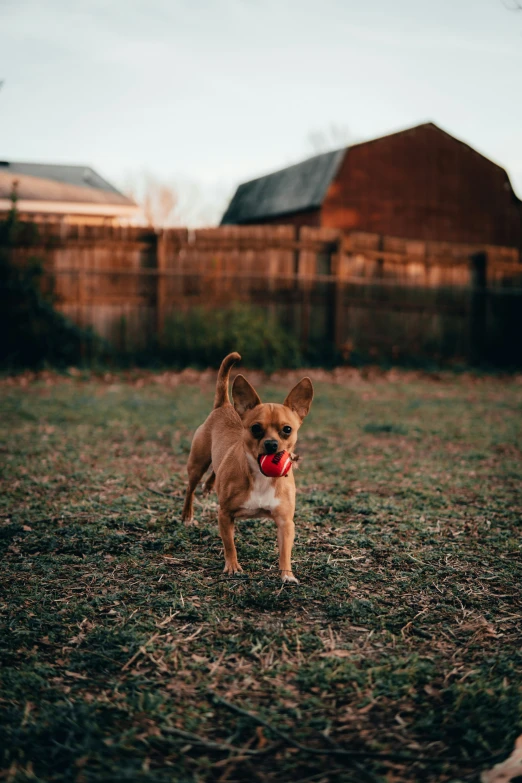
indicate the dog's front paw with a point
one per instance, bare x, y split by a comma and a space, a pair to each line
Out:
232, 568
287, 576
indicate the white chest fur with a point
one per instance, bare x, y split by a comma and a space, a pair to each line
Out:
262, 495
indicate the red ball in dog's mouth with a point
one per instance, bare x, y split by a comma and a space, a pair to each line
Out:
275, 465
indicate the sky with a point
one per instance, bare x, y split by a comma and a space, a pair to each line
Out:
209, 93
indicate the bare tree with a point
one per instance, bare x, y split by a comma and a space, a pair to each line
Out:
158, 200
331, 138
175, 203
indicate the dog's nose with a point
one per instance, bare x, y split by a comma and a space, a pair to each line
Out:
270, 446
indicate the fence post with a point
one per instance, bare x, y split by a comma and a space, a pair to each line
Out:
337, 316
161, 282
304, 290
331, 294
379, 271
478, 310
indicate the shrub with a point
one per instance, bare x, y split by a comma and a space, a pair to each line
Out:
33, 332
202, 337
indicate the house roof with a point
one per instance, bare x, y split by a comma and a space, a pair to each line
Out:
81, 176
294, 189
36, 194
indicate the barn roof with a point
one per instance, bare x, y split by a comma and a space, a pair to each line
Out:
80, 176
294, 189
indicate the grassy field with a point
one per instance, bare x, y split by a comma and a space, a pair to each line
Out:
127, 655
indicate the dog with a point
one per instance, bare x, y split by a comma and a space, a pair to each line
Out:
231, 440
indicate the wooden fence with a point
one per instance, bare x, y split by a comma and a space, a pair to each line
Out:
362, 293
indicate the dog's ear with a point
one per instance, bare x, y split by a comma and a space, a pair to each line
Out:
244, 395
300, 398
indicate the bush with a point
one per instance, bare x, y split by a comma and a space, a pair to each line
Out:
202, 337
33, 332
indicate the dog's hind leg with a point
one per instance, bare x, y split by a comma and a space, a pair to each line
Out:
198, 464
208, 486
195, 473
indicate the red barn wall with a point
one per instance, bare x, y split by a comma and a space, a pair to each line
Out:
426, 185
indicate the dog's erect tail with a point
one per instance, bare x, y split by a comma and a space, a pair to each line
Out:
222, 380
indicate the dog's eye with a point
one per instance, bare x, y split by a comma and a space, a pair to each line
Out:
287, 430
256, 430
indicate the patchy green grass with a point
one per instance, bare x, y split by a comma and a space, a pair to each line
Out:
118, 624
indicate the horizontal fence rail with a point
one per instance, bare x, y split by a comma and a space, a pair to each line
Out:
224, 275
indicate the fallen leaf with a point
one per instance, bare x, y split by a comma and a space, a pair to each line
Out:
260, 737
337, 654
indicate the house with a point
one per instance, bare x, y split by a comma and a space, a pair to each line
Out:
72, 194
420, 183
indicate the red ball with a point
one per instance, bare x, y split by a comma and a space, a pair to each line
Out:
275, 465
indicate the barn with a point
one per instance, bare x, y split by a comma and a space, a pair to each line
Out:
420, 183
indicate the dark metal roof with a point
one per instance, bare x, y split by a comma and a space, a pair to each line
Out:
294, 189
81, 176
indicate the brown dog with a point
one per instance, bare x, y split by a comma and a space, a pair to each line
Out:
231, 440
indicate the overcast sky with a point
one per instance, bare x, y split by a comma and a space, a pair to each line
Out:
219, 91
